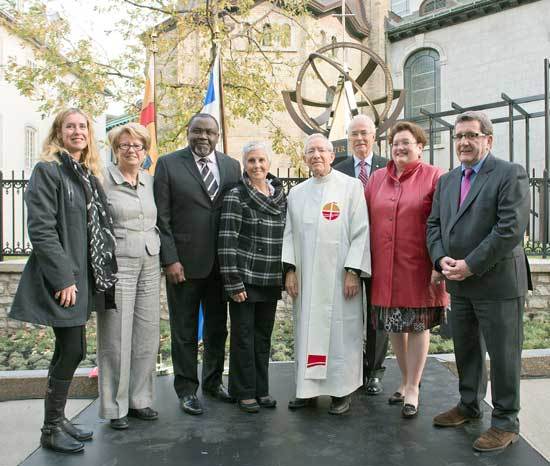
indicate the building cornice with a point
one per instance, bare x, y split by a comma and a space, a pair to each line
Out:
449, 17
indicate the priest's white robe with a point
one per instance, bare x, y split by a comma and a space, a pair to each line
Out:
326, 232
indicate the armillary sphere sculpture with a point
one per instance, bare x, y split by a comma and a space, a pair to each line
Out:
380, 107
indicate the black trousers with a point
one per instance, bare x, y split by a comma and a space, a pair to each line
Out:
70, 349
251, 328
495, 327
376, 346
184, 300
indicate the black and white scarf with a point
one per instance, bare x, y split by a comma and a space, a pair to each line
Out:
101, 238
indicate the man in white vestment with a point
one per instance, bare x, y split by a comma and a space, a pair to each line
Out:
325, 251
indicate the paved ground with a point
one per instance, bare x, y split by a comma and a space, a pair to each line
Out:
21, 420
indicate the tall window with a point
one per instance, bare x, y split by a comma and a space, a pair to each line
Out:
400, 7
285, 35
267, 35
430, 6
31, 136
422, 85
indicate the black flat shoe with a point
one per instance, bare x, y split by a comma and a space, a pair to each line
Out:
145, 414
266, 401
119, 424
191, 404
220, 393
75, 432
249, 407
408, 411
396, 399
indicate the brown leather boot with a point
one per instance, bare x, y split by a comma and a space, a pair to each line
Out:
495, 439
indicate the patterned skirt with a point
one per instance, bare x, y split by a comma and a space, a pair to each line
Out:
406, 319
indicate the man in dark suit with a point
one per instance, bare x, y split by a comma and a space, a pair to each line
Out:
479, 215
189, 187
361, 164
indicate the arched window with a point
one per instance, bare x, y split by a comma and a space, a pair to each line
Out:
333, 41
285, 36
267, 35
323, 38
422, 84
429, 6
31, 136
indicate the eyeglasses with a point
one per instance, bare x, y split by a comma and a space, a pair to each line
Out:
404, 144
363, 133
208, 132
470, 136
127, 147
315, 149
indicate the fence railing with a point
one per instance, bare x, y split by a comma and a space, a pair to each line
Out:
14, 238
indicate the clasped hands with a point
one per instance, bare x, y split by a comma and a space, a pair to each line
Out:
454, 269
352, 284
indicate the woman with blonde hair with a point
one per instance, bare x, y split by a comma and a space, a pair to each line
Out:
128, 336
72, 262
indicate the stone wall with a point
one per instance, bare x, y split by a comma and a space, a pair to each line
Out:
538, 301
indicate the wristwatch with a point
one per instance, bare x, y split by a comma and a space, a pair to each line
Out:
352, 271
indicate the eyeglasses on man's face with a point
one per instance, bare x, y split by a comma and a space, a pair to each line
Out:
469, 136
126, 147
317, 149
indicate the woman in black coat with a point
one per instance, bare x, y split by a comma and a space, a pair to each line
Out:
72, 260
249, 249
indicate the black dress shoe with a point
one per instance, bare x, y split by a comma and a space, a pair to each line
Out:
374, 386
119, 424
191, 404
408, 411
266, 401
220, 392
249, 407
298, 403
145, 414
339, 404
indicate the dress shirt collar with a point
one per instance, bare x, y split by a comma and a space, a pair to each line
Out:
357, 160
475, 167
118, 178
210, 157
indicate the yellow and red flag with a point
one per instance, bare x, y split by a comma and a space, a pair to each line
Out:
147, 117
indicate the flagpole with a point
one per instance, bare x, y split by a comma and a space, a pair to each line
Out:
222, 107
154, 51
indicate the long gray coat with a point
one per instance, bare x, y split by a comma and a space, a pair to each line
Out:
57, 229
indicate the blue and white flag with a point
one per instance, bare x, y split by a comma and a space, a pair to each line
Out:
212, 99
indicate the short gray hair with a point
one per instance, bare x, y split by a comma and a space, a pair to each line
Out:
317, 136
366, 119
256, 145
485, 124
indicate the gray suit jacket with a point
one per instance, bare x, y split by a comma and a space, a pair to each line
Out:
188, 219
347, 166
486, 231
134, 213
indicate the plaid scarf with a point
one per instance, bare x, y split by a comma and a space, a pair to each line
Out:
101, 238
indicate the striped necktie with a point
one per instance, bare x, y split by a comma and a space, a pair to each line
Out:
363, 173
465, 184
208, 177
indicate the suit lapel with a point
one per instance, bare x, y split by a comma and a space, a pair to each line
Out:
191, 165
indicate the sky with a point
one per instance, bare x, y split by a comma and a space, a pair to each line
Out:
87, 23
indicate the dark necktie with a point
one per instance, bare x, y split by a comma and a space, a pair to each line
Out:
363, 173
208, 177
465, 184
